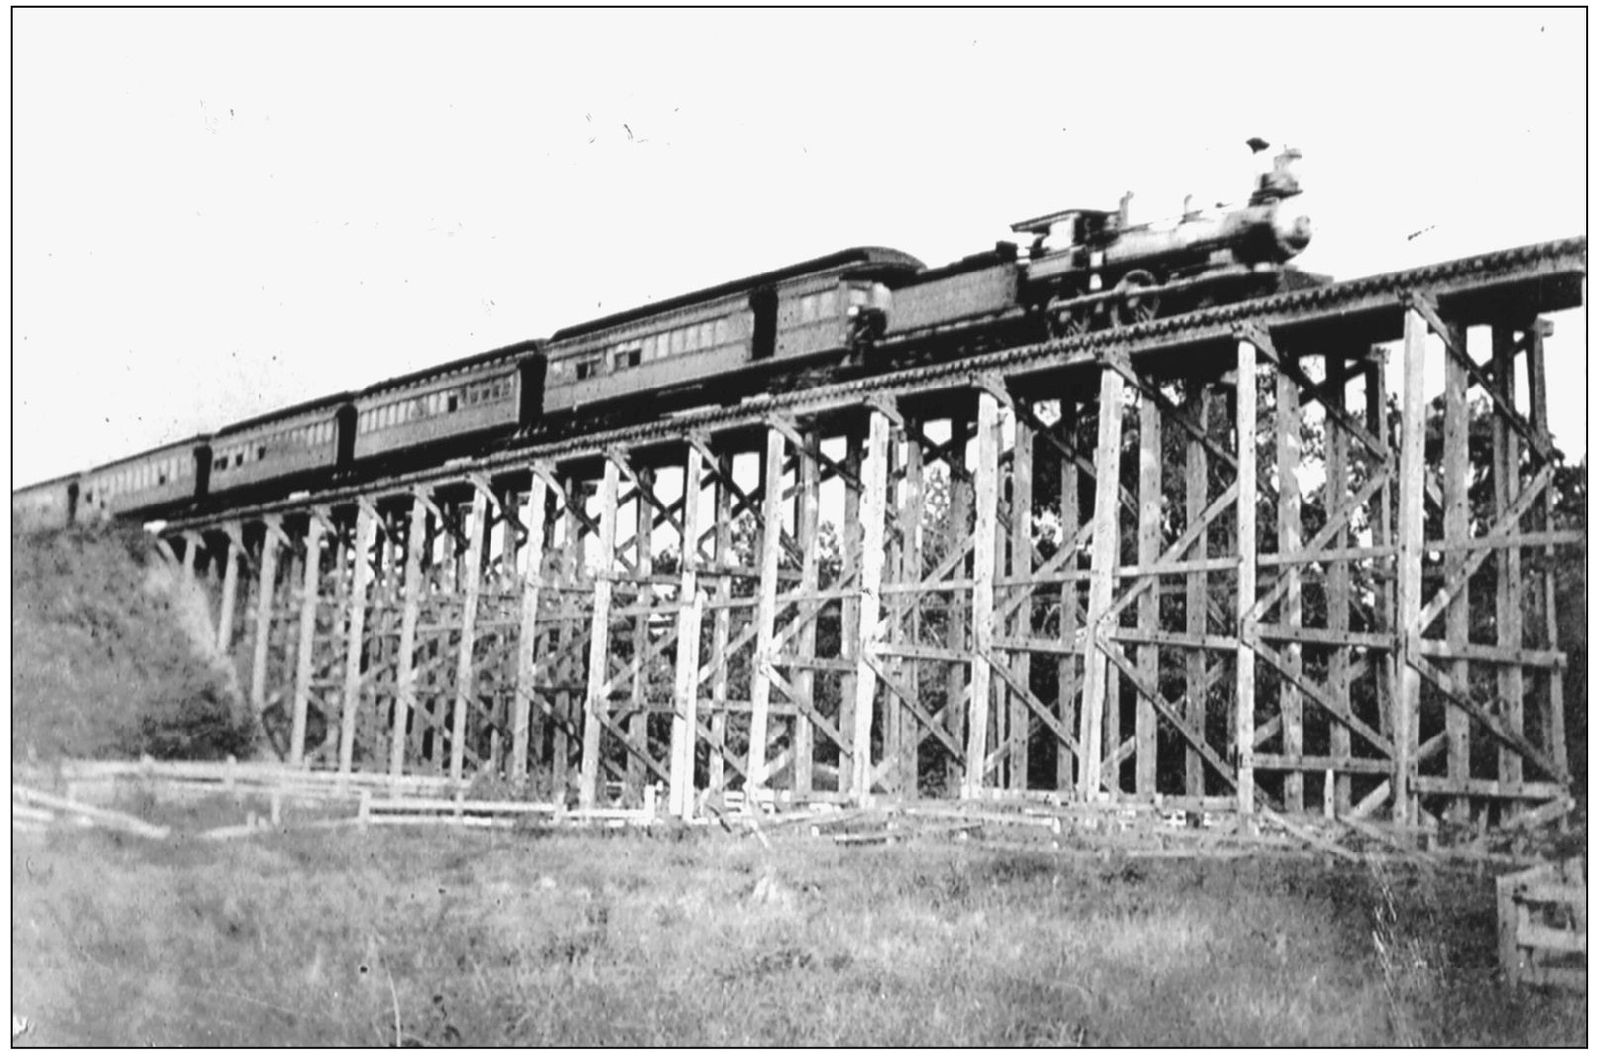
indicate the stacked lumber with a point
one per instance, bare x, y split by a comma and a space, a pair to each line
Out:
1543, 925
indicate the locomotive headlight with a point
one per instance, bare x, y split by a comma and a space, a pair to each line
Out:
1292, 233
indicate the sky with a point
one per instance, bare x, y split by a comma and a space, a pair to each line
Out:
220, 212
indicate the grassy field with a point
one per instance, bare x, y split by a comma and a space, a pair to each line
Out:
439, 937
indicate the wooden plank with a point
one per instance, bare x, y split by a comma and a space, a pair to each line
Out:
356, 625
311, 570
1105, 553
872, 517
1070, 523
907, 626
596, 704
808, 482
529, 607
722, 466
1200, 399
1150, 506
982, 599
1247, 550
406, 672
1290, 537
469, 585
1022, 552
641, 542
960, 505
768, 581
231, 576
1456, 530
266, 588
1338, 574
1508, 572
1538, 401
688, 641
1412, 518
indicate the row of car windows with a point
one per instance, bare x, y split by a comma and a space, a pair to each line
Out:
440, 402
239, 453
620, 356
153, 474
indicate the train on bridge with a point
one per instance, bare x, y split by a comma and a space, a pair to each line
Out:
1073, 271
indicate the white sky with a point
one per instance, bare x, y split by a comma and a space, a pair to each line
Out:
221, 212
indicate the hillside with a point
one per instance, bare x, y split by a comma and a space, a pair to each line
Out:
108, 654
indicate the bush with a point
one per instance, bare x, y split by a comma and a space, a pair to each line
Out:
102, 664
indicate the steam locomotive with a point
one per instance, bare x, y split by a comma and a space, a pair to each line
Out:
1081, 270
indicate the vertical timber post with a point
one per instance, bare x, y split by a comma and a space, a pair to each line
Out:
1020, 571
718, 720
356, 624
1070, 524
1337, 578
1247, 568
1507, 569
1538, 402
1289, 537
601, 615
529, 608
311, 575
1412, 501
231, 575
1200, 398
808, 634
768, 582
1105, 553
406, 675
960, 493
641, 641
872, 516
465, 643
1457, 530
983, 595
688, 648
1149, 506
266, 577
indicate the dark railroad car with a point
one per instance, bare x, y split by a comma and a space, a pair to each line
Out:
498, 390
790, 314
153, 479
46, 504
979, 286
280, 444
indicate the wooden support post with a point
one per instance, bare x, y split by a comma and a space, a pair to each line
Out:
872, 516
1070, 525
1150, 505
311, 574
596, 703
567, 540
960, 503
1412, 529
231, 575
1507, 566
1538, 402
266, 586
1338, 584
768, 584
356, 625
1022, 552
912, 517
469, 584
1457, 530
1247, 568
406, 674
808, 635
1199, 399
983, 599
1289, 539
852, 555
1381, 521
635, 727
688, 649
529, 608
723, 541
1105, 553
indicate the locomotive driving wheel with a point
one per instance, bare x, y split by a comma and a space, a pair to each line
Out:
1136, 298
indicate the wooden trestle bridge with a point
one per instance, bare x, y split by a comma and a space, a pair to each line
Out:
1205, 557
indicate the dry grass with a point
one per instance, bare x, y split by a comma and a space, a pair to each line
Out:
499, 939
